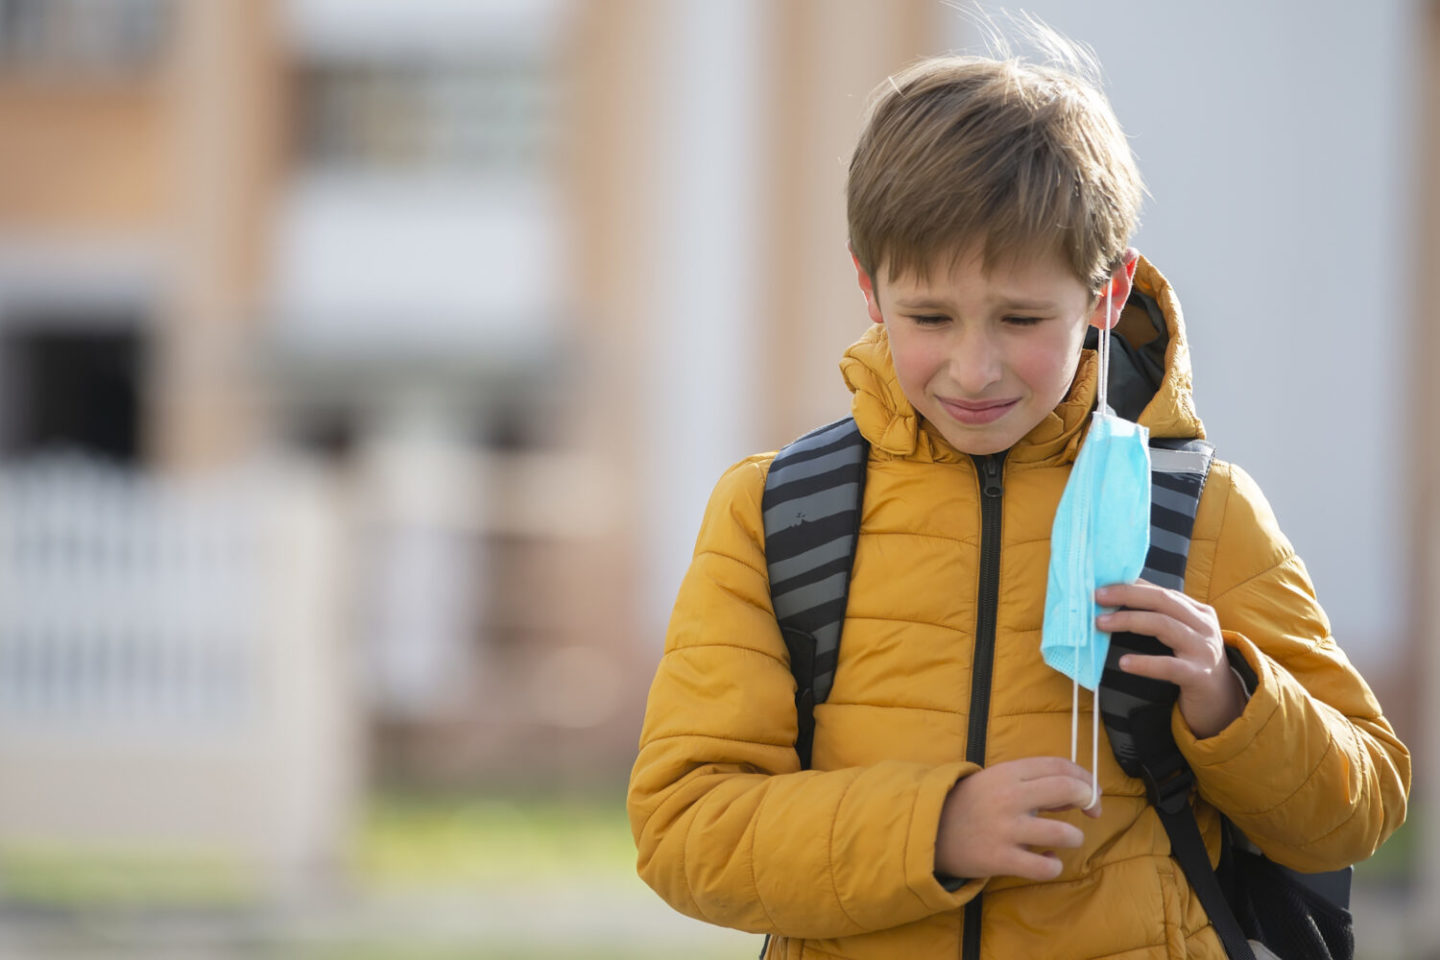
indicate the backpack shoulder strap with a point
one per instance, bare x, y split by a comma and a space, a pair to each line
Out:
1136, 710
811, 509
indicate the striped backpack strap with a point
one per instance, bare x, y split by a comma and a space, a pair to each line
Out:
1136, 710
811, 510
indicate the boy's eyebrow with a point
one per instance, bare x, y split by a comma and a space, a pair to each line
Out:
1003, 303
1020, 303
921, 303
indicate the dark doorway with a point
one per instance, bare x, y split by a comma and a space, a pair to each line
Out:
73, 389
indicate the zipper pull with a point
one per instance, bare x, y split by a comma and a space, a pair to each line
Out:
992, 474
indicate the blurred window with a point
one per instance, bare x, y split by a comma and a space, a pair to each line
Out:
491, 118
83, 36
73, 389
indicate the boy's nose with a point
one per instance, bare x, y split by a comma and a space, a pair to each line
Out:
975, 363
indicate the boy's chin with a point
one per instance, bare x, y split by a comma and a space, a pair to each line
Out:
978, 443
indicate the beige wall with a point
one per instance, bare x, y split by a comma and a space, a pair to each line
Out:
226, 99
612, 98
83, 156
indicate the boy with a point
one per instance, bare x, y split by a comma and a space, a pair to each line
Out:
990, 207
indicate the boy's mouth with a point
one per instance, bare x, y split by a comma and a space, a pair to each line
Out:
977, 414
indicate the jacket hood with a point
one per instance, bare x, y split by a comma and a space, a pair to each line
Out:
1150, 383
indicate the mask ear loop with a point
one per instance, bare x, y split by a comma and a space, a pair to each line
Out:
1102, 405
1103, 387
1095, 699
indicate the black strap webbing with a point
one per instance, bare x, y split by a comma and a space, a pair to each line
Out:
1187, 846
1136, 710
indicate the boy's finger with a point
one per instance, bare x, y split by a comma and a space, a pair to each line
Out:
1092, 811
1170, 669
1148, 596
1048, 834
1057, 793
1166, 629
1032, 866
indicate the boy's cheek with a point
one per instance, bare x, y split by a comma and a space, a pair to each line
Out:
913, 373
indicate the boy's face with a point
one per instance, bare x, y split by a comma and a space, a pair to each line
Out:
985, 356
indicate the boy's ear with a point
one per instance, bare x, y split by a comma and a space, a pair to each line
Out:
1119, 289
867, 287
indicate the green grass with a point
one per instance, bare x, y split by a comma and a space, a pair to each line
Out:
435, 851
448, 841
406, 842
415, 843
61, 875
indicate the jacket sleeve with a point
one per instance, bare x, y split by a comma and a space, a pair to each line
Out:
728, 828
1311, 771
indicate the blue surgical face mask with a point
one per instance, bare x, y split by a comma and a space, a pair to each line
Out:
1101, 536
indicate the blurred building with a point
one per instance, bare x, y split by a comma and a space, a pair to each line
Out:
419, 309
323, 244
171, 671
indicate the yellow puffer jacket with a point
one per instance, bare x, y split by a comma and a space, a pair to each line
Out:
838, 861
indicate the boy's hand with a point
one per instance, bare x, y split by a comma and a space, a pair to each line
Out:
1211, 696
990, 824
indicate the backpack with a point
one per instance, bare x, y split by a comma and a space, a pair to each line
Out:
812, 507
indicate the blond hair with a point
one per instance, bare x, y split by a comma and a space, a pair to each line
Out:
1018, 157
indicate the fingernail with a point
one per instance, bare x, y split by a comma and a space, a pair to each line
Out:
1102, 593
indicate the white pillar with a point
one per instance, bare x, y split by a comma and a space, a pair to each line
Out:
420, 596
702, 331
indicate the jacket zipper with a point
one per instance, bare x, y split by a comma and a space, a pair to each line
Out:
990, 470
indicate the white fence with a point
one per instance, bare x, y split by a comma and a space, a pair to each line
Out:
171, 667
124, 603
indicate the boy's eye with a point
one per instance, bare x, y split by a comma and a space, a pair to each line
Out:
1023, 321
929, 319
